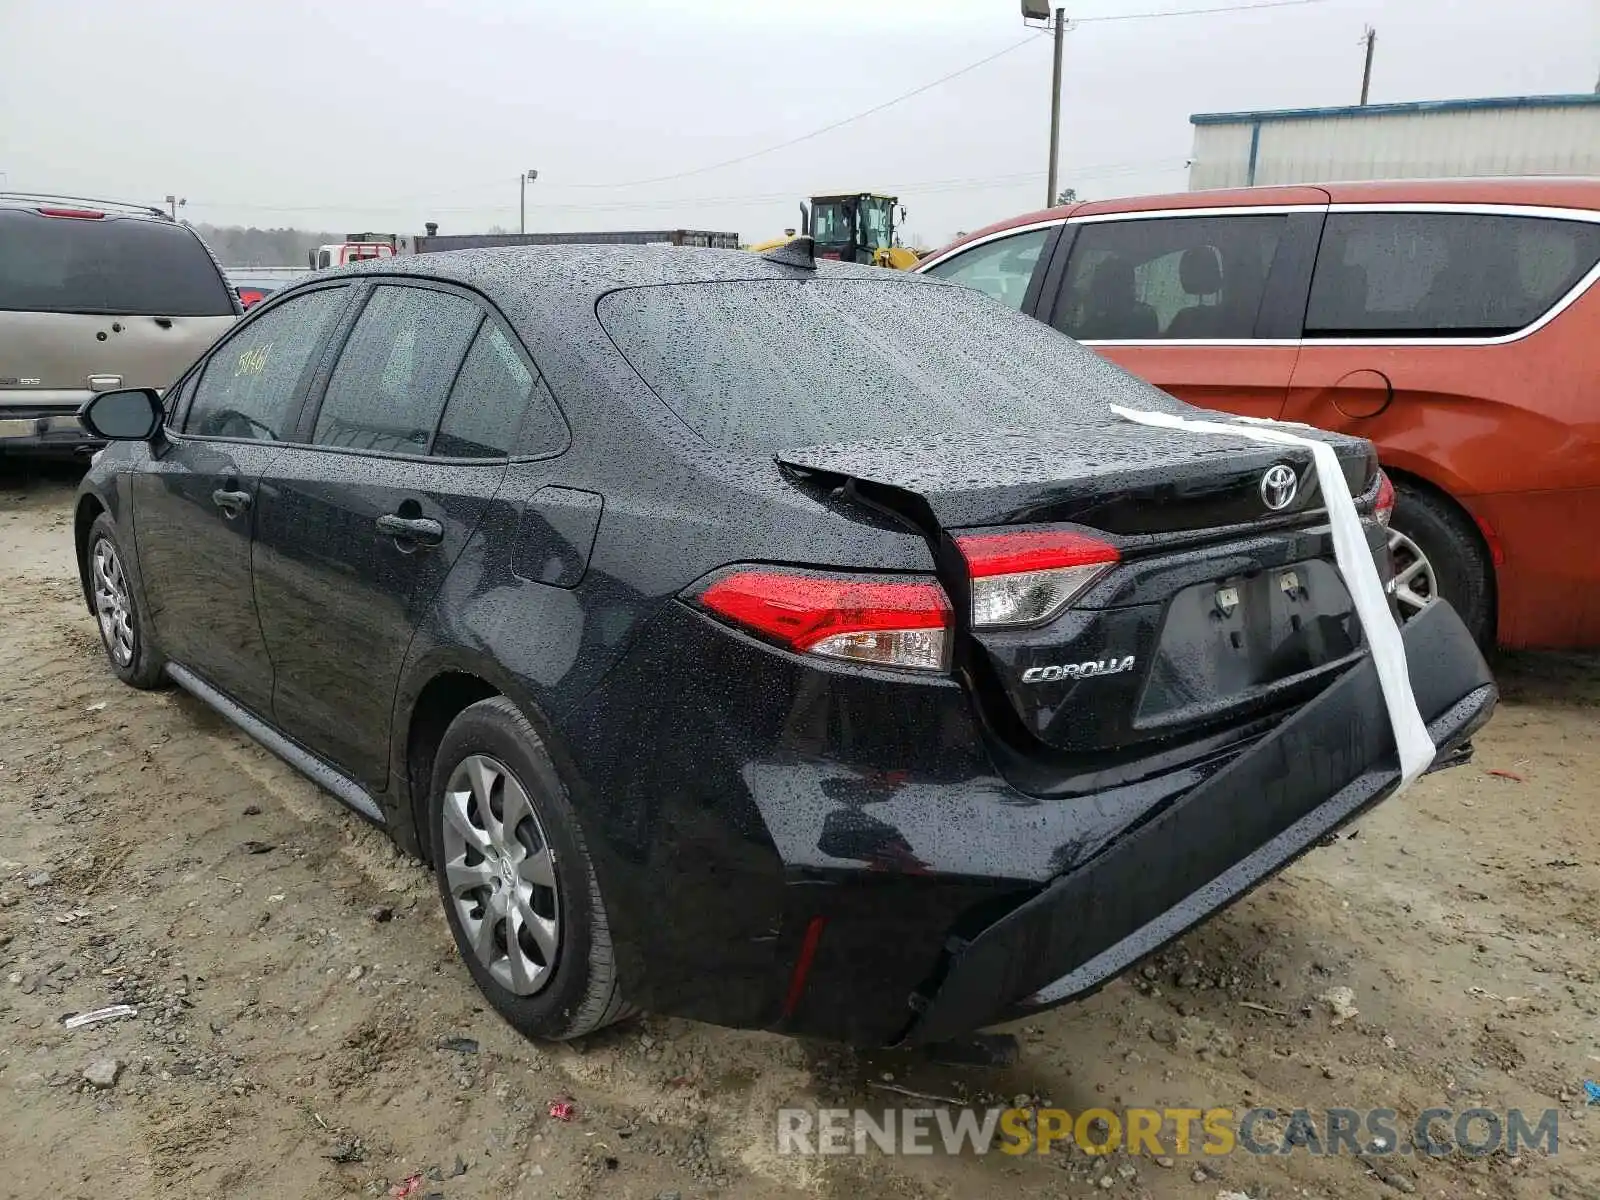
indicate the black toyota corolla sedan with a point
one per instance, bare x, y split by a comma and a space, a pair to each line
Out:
785, 644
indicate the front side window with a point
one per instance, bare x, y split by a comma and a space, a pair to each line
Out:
1001, 268
251, 384
390, 384
875, 222
1168, 278
1443, 274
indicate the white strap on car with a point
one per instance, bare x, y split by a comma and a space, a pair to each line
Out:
1355, 563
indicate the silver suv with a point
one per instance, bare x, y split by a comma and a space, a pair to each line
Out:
95, 296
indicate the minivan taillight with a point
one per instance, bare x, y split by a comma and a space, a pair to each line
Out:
1025, 577
881, 621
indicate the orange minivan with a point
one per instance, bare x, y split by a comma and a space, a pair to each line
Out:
1454, 323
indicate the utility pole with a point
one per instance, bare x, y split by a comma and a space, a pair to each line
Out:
523, 181
1036, 15
1370, 37
1055, 108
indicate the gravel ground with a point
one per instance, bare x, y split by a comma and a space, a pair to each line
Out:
304, 1028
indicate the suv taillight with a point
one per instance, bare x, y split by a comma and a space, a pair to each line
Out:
72, 214
249, 296
1025, 577
881, 621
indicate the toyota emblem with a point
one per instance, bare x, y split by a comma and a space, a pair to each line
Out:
1278, 487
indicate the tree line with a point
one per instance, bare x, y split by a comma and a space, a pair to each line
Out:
247, 246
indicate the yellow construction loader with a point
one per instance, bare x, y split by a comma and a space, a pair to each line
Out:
853, 227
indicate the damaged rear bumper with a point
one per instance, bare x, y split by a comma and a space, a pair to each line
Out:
1320, 768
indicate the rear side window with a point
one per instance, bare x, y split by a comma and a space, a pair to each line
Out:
1177, 278
114, 265
1443, 274
390, 384
488, 400
769, 365
1001, 268
254, 378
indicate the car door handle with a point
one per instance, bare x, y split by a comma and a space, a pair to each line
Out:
231, 503
423, 531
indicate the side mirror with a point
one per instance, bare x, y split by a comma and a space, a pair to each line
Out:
133, 415
902, 214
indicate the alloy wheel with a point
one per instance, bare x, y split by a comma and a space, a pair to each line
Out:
501, 874
112, 607
1414, 583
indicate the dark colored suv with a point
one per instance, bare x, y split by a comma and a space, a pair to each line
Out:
779, 643
95, 296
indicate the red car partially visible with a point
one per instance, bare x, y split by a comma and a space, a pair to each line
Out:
1455, 323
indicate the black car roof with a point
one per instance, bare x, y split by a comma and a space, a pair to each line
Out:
582, 274
549, 295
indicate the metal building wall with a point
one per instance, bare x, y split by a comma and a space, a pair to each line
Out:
1427, 142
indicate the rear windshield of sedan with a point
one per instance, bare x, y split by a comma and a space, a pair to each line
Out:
107, 265
778, 364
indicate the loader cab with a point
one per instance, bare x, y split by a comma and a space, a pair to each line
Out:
854, 228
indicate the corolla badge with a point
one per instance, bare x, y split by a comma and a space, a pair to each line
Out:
1278, 487
1083, 670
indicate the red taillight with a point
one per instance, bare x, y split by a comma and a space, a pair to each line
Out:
1031, 550
1027, 576
881, 621
1383, 506
75, 214
249, 296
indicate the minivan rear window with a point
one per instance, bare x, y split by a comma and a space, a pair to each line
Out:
114, 265
769, 365
1412, 274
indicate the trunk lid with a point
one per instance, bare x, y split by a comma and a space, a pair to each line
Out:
1119, 478
1219, 608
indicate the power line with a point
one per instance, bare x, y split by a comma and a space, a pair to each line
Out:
1191, 12
927, 187
917, 91
794, 141
839, 124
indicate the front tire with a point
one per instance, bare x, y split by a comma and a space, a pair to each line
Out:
1437, 555
125, 631
519, 890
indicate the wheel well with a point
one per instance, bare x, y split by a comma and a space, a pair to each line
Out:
440, 702
88, 509
1469, 523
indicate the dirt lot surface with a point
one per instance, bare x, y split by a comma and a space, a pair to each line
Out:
304, 1028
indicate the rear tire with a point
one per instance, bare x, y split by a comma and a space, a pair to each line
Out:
125, 631
1453, 563
521, 896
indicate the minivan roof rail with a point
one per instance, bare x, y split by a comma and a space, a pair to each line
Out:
122, 205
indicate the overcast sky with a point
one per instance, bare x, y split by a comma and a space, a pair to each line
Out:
361, 114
